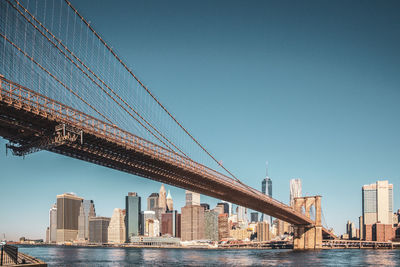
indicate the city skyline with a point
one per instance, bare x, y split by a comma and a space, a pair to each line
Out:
143, 206
319, 108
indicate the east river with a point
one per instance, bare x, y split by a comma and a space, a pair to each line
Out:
74, 256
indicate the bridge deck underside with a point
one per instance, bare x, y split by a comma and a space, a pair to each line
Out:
24, 125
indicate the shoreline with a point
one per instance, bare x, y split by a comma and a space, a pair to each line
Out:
197, 247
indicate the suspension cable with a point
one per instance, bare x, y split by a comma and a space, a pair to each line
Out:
55, 78
80, 61
147, 90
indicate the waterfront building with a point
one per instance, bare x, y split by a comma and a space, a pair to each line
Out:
156, 229
383, 232
47, 235
132, 218
295, 190
171, 224
155, 241
81, 225
152, 201
377, 206
240, 234
361, 226
223, 226
351, 230
254, 217
170, 202
192, 198
98, 229
116, 228
68, 206
152, 227
281, 227
86, 211
211, 225
53, 224
144, 217
262, 230
192, 218
266, 188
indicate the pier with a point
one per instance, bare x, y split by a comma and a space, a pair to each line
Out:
358, 244
10, 256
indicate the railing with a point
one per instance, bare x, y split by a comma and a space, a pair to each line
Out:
359, 244
9, 255
29, 100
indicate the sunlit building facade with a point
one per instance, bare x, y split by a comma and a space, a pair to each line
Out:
116, 228
68, 206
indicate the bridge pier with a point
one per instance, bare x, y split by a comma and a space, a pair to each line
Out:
308, 236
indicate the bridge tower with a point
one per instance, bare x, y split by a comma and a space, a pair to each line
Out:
308, 236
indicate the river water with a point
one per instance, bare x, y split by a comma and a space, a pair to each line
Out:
73, 256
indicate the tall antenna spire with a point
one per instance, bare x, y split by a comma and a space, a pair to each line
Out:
266, 163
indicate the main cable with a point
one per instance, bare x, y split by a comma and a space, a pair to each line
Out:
83, 64
147, 90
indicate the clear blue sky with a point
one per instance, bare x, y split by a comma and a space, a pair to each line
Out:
310, 86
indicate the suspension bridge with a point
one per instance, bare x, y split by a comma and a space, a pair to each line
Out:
64, 89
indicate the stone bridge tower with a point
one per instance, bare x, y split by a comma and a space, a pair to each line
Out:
308, 236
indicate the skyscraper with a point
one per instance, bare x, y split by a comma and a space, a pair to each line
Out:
152, 202
266, 188
48, 235
295, 190
170, 202
205, 206
162, 199
219, 209
192, 223
262, 230
225, 205
116, 228
211, 225
242, 216
53, 224
230, 208
351, 230
86, 211
192, 198
223, 226
377, 203
171, 224
132, 218
192, 218
81, 225
68, 206
254, 217
377, 207
98, 229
